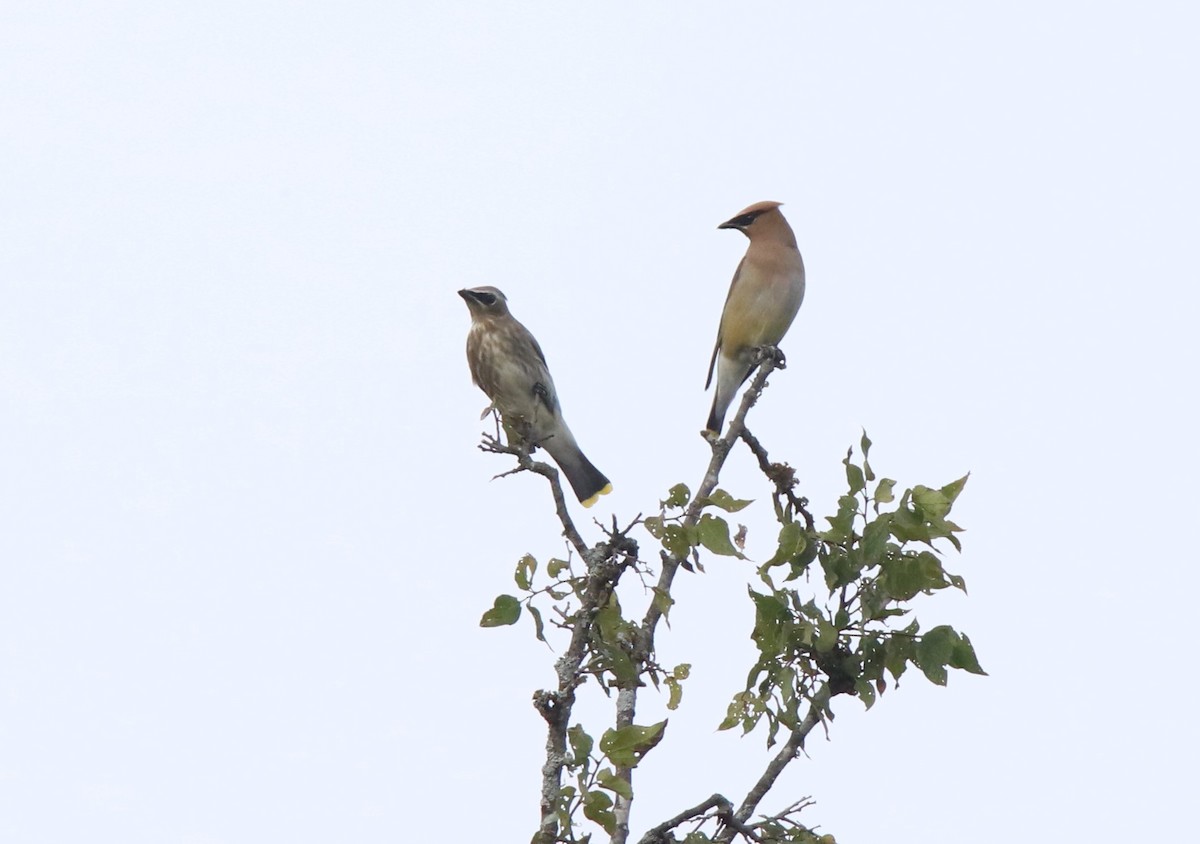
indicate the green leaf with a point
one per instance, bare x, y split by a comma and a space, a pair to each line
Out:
556, 567
505, 610
654, 526
791, 542
875, 539
662, 600
933, 502
677, 496
619, 663
581, 744
606, 778
952, 489
681, 672
626, 746
908, 525
772, 624
786, 683
854, 477
866, 450
964, 657
906, 575
597, 806
526, 567
883, 492
611, 625
865, 692
827, 635
714, 535
811, 609
678, 541
935, 673
934, 652
898, 651
611, 633
539, 629
839, 568
721, 498
733, 716
676, 693
841, 526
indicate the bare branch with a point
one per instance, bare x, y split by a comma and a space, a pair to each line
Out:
658, 834
785, 815
528, 464
780, 474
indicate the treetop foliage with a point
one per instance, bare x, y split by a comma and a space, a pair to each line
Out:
831, 613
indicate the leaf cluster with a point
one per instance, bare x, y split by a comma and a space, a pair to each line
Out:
844, 630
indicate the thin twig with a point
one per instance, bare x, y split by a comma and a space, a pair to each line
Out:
528, 464
785, 815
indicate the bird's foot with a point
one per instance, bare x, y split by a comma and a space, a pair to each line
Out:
771, 353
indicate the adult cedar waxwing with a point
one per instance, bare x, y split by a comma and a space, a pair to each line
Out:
507, 363
763, 299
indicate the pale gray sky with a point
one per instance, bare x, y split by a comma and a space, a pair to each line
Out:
245, 533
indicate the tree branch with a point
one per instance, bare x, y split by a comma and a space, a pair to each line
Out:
790, 750
525, 463
626, 708
604, 570
769, 359
780, 474
658, 834
772, 359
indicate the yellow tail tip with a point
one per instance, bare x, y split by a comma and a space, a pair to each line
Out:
605, 491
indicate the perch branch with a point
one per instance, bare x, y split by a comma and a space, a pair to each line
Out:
525, 463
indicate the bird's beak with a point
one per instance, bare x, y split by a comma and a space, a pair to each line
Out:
729, 224
466, 294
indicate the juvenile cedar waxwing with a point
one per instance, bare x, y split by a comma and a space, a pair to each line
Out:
507, 363
763, 299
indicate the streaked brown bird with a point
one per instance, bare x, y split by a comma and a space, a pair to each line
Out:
763, 299
507, 363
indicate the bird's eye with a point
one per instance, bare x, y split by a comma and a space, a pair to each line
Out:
745, 220
487, 298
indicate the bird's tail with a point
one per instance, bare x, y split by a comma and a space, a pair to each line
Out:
716, 416
586, 480
731, 374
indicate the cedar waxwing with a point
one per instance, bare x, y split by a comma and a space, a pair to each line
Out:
763, 299
507, 363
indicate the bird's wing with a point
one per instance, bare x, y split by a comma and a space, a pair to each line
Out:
537, 349
712, 364
543, 384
